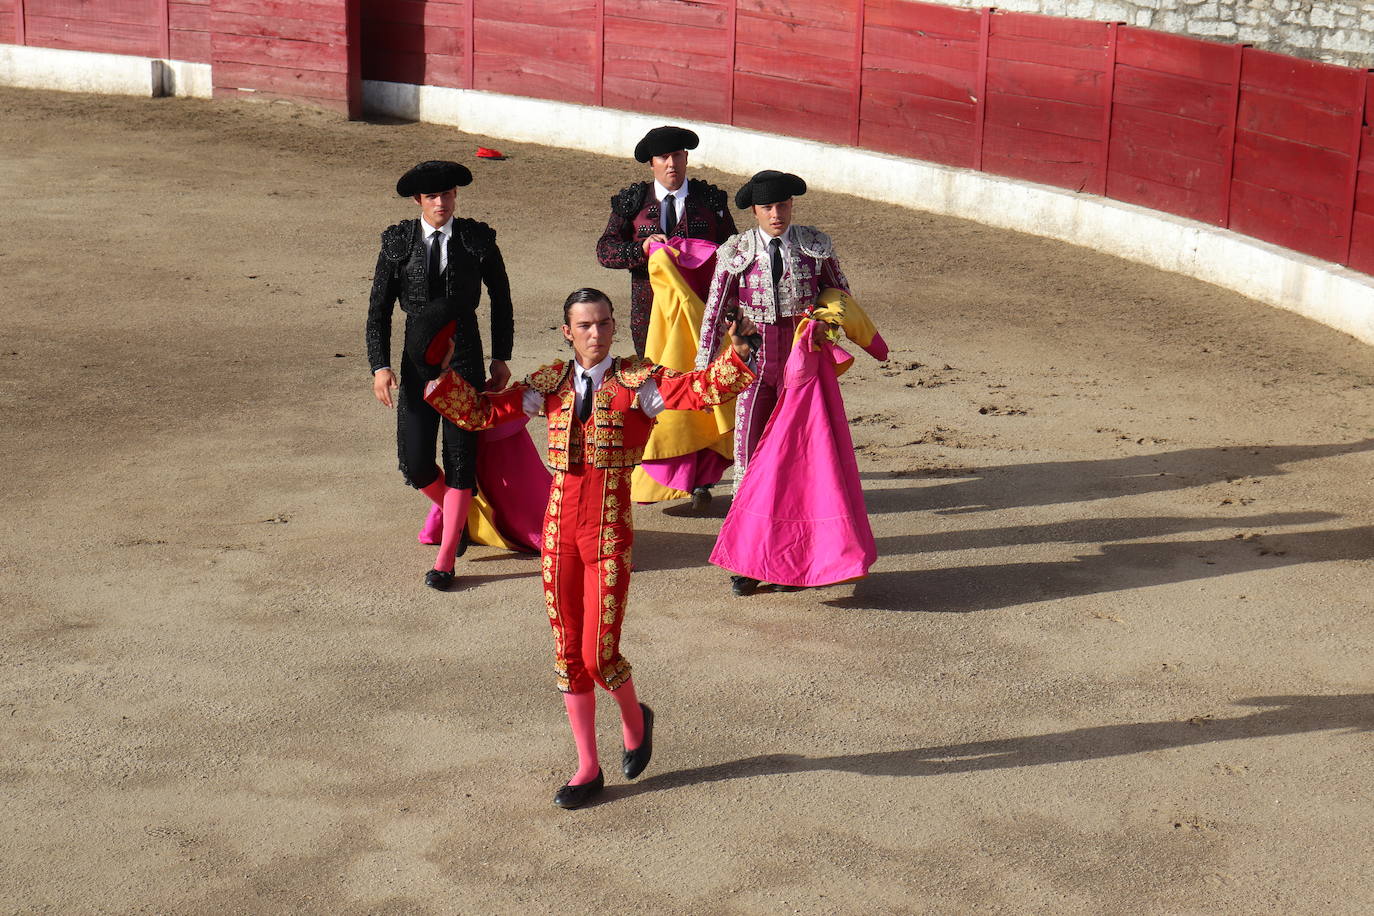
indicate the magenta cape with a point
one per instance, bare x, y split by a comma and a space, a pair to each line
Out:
515, 482
799, 517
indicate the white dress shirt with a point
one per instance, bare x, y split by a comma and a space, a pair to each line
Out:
650, 400
447, 231
680, 204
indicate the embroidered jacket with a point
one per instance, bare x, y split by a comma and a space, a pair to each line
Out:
617, 431
473, 260
744, 278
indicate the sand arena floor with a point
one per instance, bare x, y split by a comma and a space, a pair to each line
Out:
1114, 657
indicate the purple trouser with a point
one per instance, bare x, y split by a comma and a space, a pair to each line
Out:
755, 405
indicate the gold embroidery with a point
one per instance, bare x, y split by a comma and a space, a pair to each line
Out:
546, 379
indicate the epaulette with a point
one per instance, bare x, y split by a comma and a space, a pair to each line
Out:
633, 371
814, 242
715, 198
737, 252
477, 237
396, 240
548, 379
629, 200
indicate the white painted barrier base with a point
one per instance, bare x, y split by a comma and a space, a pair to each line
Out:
1320, 290
109, 74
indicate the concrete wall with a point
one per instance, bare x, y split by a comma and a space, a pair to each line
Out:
1331, 31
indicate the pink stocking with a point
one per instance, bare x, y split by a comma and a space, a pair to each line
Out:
582, 718
631, 715
432, 531
456, 504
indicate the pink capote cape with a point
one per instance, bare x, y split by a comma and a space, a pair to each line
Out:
799, 516
512, 489
685, 450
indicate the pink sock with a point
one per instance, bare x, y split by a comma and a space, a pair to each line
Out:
582, 718
456, 504
631, 714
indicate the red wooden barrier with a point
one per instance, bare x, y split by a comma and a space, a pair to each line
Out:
1297, 149
11, 27
112, 26
920, 81
303, 50
1048, 97
1362, 229
522, 47
1173, 124
668, 57
188, 23
794, 67
424, 42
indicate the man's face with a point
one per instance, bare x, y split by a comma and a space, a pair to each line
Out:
438, 207
670, 169
591, 331
774, 219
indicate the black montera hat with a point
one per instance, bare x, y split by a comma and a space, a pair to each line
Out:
428, 331
663, 140
432, 177
769, 187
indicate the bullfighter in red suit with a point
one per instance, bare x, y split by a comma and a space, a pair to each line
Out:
654, 211
772, 275
600, 411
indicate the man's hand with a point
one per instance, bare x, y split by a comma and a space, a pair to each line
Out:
740, 330
656, 237
383, 383
500, 375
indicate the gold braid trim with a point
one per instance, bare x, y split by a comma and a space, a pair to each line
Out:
633, 371
546, 379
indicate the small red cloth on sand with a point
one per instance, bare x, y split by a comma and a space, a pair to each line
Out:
484, 153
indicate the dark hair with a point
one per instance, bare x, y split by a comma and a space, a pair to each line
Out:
585, 294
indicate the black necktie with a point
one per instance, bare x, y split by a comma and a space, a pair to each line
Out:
670, 208
775, 245
435, 273
584, 409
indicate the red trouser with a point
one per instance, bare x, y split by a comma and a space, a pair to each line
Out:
588, 532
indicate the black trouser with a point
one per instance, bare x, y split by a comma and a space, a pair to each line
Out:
417, 432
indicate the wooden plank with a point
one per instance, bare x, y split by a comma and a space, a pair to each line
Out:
1361, 256
818, 44
929, 146
1307, 171
329, 103
190, 46
1174, 95
792, 108
415, 39
1047, 116
1197, 139
705, 102
271, 29
685, 45
416, 12
395, 67
292, 55
145, 12
570, 14
757, 61
1065, 162
289, 82
826, 14
937, 83
1047, 52
1297, 119
546, 47
1040, 81
1060, 30
629, 62
86, 35
980, 94
668, 15
8, 33
1285, 219
912, 52
520, 74
308, 10
1203, 206
929, 18
1176, 55
1165, 166
193, 17
1324, 84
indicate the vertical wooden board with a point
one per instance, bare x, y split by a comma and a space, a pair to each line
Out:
309, 54
1288, 220
193, 17
1362, 243
1176, 55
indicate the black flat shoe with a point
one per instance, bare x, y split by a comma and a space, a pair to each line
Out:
438, 579
570, 796
701, 498
632, 763
742, 586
